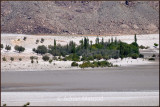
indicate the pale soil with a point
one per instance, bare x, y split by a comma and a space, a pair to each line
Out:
81, 98
29, 44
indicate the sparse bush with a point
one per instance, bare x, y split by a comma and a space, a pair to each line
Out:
1, 46
33, 57
4, 59
27, 104
96, 64
42, 40
50, 61
34, 50
37, 41
4, 105
142, 47
45, 58
153, 55
24, 38
32, 61
74, 64
141, 56
19, 48
8, 47
155, 44
18, 39
12, 59
134, 56
54, 58
20, 59
151, 59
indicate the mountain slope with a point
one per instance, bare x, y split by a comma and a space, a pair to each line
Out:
79, 17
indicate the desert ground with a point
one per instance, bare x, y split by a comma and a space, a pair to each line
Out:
134, 82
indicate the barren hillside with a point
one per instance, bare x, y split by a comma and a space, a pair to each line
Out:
79, 17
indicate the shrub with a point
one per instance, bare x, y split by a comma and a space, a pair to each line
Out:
32, 61
134, 56
54, 58
1, 46
90, 58
151, 59
41, 49
153, 55
19, 48
4, 105
34, 50
37, 41
142, 47
8, 47
4, 59
12, 59
50, 61
98, 56
155, 44
74, 64
96, 64
45, 58
20, 59
33, 57
42, 40
24, 38
141, 56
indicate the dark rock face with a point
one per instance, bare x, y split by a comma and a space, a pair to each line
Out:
79, 17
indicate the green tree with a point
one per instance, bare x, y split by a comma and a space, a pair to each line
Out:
135, 38
41, 49
55, 44
102, 42
19, 48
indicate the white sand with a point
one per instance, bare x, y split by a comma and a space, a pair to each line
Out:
29, 44
81, 98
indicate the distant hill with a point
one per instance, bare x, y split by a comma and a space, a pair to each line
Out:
80, 17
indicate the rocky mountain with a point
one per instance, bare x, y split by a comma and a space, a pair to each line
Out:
80, 17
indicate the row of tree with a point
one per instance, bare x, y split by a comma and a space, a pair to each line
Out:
112, 48
17, 48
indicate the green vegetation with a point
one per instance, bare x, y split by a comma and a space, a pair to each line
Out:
19, 48
41, 49
155, 44
143, 47
1, 46
112, 48
141, 56
42, 40
37, 41
50, 61
4, 59
95, 64
12, 59
20, 59
4, 105
27, 104
8, 47
153, 55
45, 58
24, 38
151, 59
74, 64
